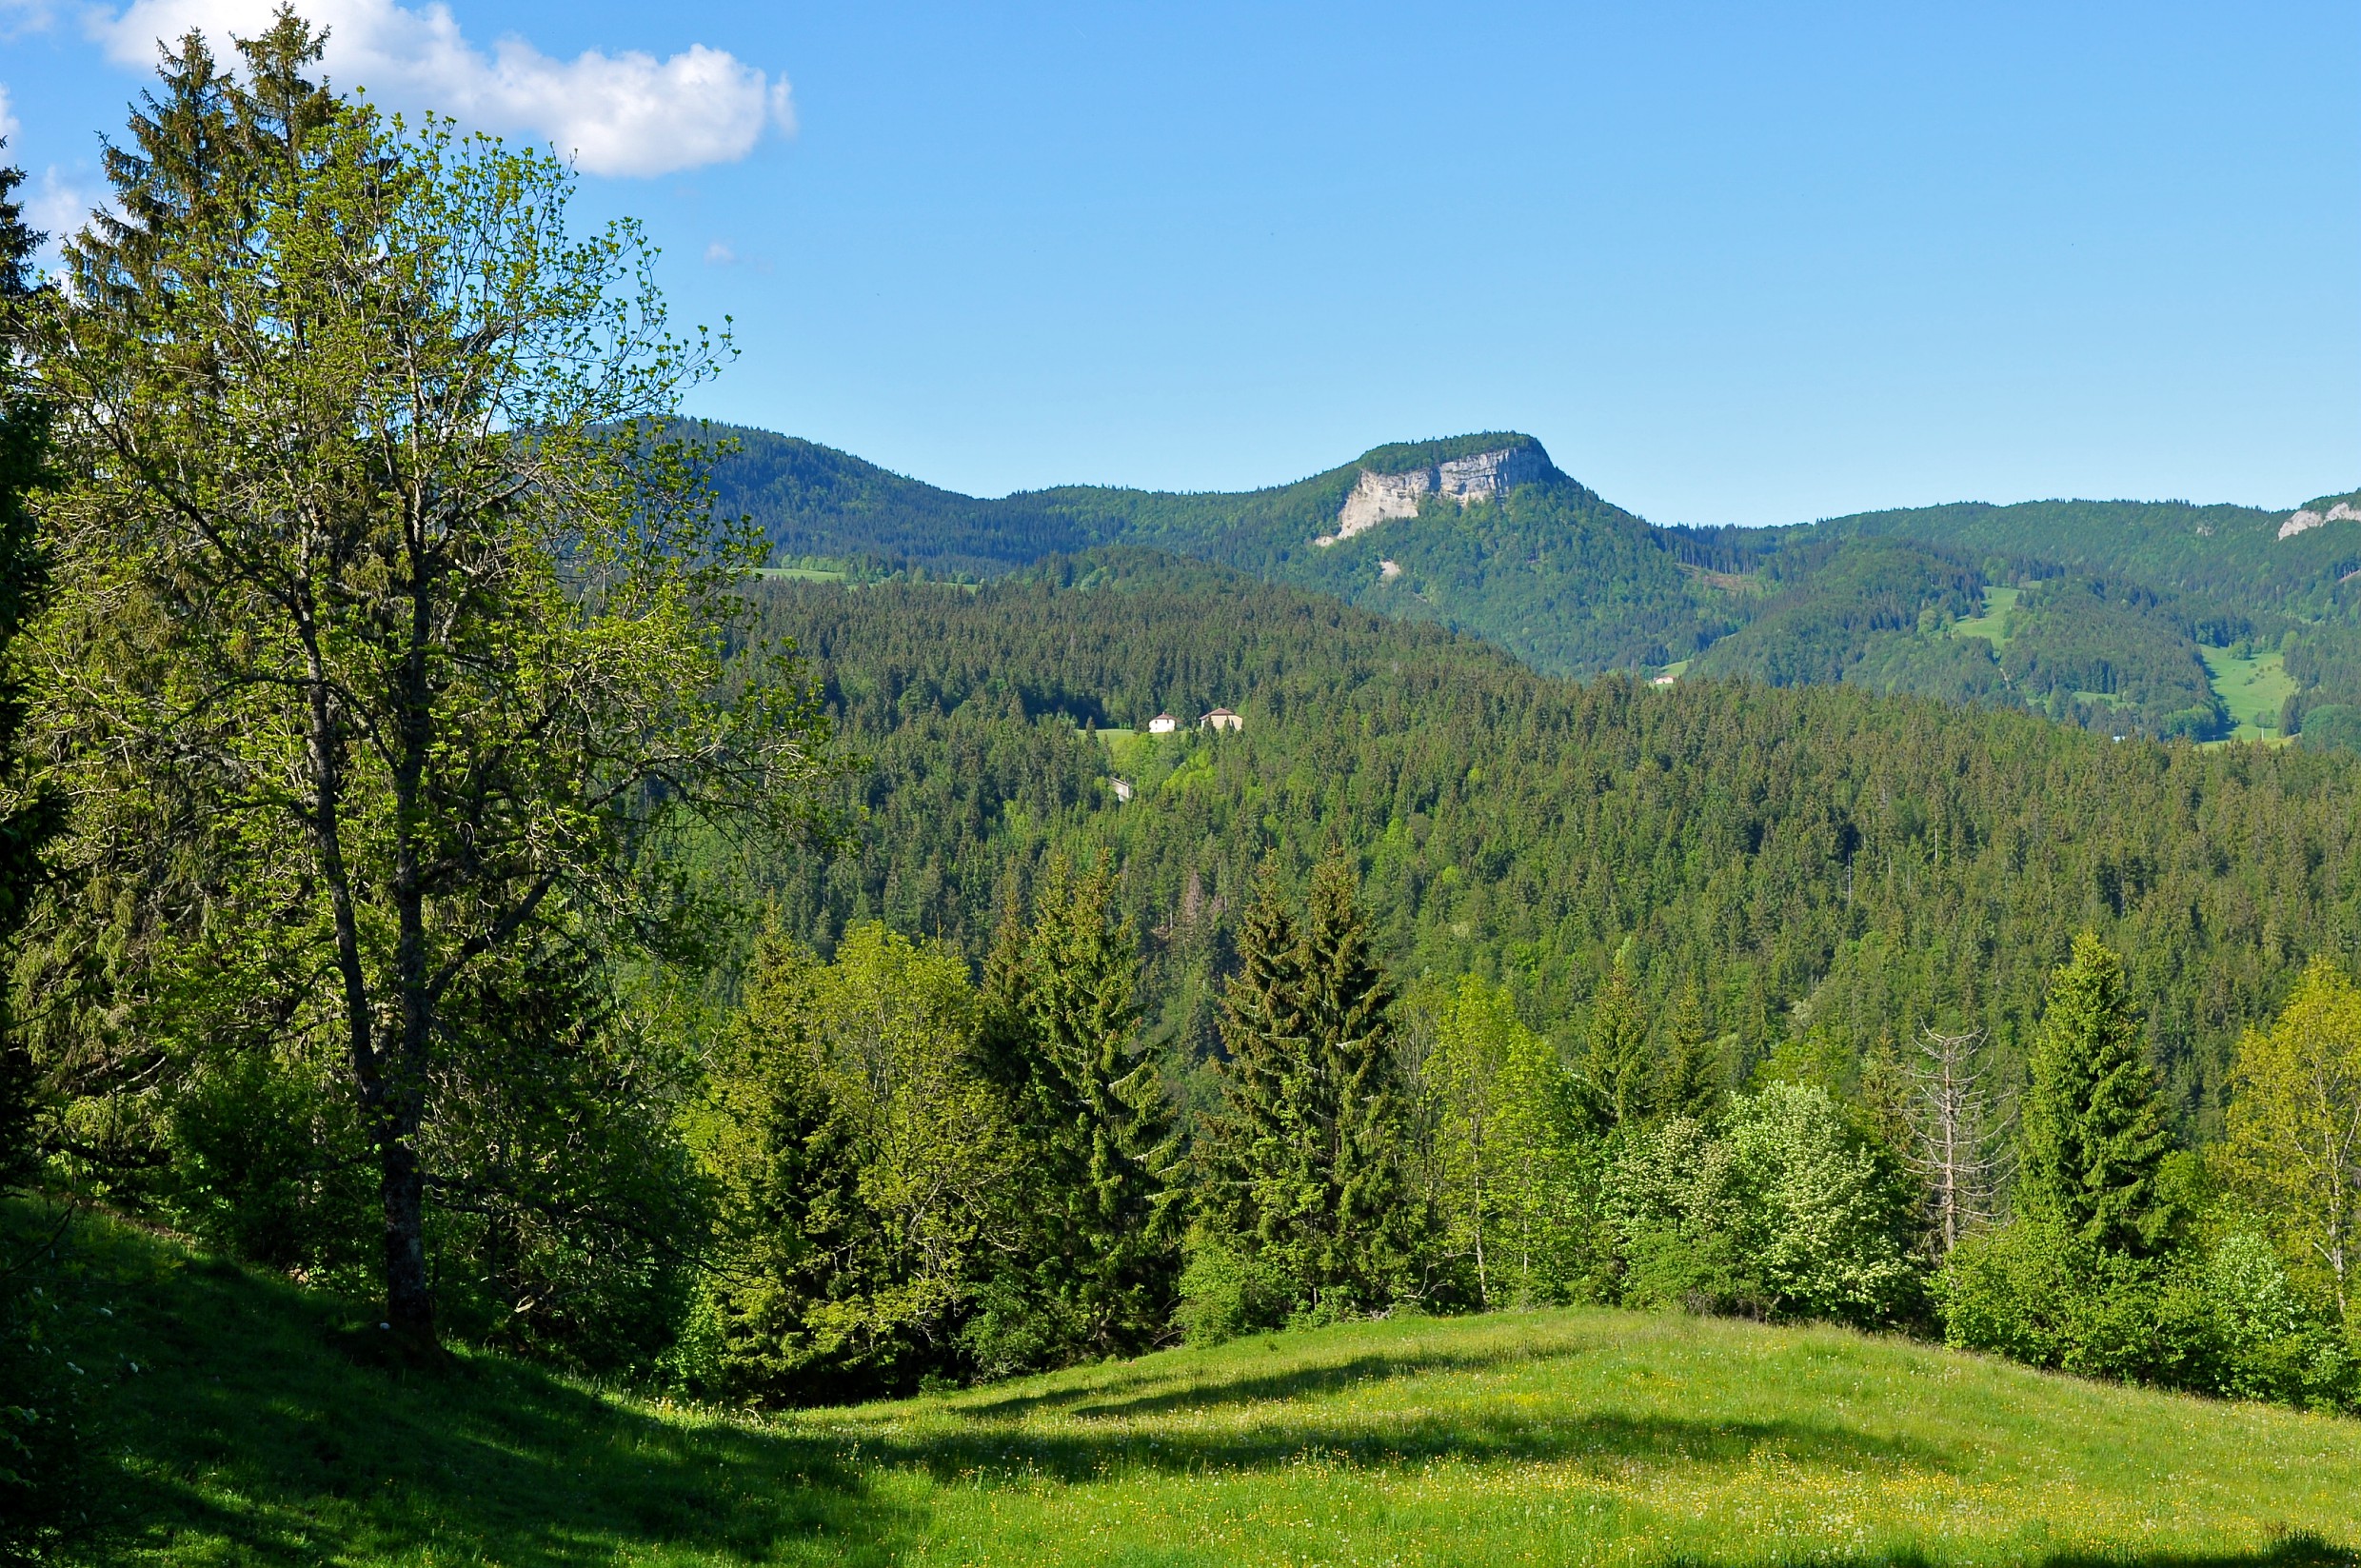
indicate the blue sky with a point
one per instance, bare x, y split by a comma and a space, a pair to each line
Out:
1731, 264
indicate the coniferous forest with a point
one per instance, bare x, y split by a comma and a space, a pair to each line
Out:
442, 869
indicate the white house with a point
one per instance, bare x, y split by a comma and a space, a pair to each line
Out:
1164, 723
1222, 718
1123, 788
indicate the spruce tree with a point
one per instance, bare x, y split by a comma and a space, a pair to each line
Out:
1619, 1077
1061, 1038
1305, 1161
2094, 1131
1694, 1078
1251, 1154
1349, 1002
40, 1454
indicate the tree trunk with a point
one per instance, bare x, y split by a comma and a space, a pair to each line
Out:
409, 1301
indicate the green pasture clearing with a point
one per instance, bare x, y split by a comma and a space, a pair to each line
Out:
1745, 585
799, 575
262, 1427
2252, 690
1992, 625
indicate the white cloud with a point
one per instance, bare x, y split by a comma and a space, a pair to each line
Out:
720, 254
626, 113
24, 16
8, 128
57, 207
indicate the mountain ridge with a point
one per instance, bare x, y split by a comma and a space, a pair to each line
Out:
2120, 601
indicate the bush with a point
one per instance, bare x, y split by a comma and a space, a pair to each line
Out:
1790, 1213
1224, 1293
2224, 1319
2269, 1345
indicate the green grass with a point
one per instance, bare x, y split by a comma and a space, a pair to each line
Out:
261, 1429
2252, 690
799, 575
1993, 626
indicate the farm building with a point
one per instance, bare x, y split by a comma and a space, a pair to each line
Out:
1164, 723
1222, 718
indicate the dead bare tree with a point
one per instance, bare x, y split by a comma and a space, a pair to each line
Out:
1954, 1135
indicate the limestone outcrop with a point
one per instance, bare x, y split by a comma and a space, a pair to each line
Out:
1481, 476
2298, 523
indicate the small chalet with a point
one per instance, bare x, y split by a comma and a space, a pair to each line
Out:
1164, 723
1222, 718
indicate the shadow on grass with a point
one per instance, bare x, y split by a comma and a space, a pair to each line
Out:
1155, 1389
247, 1436
1605, 1439
971, 1436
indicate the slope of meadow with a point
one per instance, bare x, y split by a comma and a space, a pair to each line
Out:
260, 1428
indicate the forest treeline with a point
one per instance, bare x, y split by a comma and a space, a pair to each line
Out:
436, 865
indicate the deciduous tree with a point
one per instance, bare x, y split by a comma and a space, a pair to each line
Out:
1506, 1147
371, 576
2295, 1126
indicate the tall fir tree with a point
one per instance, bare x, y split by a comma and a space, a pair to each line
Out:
1349, 1003
1250, 1153
1306, 1156
1062, 1035
1619, 1078
42, 1455
1694, 1079
2094, 1131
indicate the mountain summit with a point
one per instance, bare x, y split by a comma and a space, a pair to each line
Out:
1478, 476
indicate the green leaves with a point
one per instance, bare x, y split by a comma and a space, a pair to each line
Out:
391, 655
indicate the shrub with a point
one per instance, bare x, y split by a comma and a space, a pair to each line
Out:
1790, 1213
2223, 1320
1226, 1293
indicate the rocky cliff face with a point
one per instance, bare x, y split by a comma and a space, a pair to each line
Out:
2302, 522
1483, 476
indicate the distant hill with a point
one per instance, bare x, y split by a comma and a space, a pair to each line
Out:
2117, 615
2241, 554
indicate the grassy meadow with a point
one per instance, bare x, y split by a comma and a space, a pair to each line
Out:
261, 1426
2253, 689
1992, 625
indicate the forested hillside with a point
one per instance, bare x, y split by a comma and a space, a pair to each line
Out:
2232, 554
2120, 600
1819, 864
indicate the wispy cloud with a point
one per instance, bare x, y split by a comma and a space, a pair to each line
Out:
57, 205
622, 114
8, 127
25, 16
